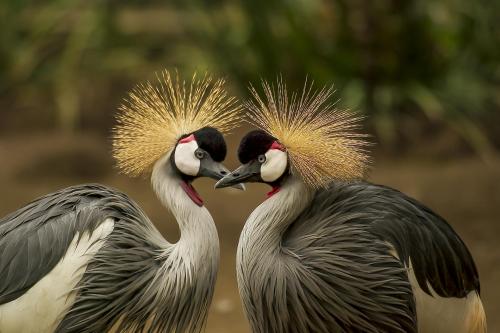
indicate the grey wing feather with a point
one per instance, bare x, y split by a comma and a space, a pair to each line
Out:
343, 240
118, 288
34, 238
438, 256
121, 288
349, 282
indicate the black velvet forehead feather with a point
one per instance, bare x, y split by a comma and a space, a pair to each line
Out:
212, 141
253, 144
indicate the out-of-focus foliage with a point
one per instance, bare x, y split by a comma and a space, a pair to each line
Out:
415, 67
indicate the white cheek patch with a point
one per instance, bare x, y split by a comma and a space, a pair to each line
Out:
185, 160
274, 166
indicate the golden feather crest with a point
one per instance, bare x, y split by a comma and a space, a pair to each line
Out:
321, 140
155, 116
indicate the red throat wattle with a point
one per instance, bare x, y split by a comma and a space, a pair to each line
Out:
191, 192
275, 190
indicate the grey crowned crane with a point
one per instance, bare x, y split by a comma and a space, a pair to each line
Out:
87, 258
329, 252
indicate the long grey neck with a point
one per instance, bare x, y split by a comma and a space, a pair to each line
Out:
266, 225
199, 240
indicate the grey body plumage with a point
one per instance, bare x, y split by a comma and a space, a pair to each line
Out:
328, 252
87, 259
320, 261
348, 257
137, 281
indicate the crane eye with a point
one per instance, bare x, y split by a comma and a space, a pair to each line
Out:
199, 154
261, 158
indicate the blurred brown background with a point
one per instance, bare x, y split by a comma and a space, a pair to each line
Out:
425, 73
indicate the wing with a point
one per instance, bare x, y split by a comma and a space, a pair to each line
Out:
34, 238
347, 279
438, 255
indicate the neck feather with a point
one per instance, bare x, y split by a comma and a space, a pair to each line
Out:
197, 228
268, 222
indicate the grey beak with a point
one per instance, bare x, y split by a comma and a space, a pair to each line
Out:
239, 186
249, 172
215, 170
225, 182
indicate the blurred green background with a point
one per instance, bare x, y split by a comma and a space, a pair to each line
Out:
426, 74
419, 69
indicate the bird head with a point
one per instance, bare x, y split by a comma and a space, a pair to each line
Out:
304, 136
177, 125
200, 154
264, 159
